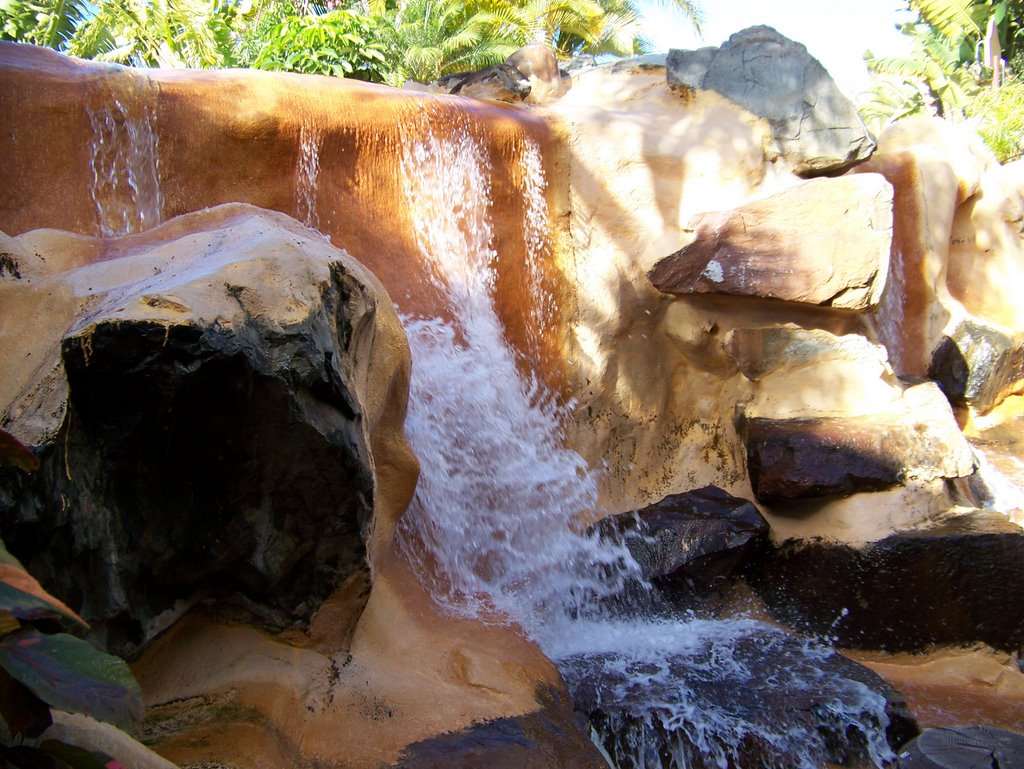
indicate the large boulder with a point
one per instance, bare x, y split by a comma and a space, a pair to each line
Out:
949, 582
823, 242
814, 457
814, 126
202, 398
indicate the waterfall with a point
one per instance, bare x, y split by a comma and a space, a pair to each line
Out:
125, 158
306, 176
494, 530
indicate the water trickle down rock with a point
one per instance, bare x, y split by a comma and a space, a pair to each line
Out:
125, 157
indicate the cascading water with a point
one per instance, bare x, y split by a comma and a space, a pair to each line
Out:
493, 529
306, 176
125, 159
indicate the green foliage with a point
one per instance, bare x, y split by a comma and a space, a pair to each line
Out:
341, 43
998, 116
40, 669
159, 33
430, 38
943, 74
49, 23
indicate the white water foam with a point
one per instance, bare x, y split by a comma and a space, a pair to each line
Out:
493, 529
125, 161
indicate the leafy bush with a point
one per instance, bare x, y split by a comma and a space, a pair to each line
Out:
341, 43
998, 115
41, 669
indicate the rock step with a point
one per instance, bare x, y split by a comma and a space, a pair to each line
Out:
952, 583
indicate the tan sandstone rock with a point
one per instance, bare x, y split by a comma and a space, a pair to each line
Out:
822, 242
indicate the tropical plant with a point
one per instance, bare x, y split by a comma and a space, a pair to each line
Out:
49, 23
998, 117
40, 670
340, 43
426, 39
159, 33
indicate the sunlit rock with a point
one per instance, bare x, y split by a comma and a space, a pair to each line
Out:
978, 365
205, 396
815, 127
943, 583
823, 242
762, 351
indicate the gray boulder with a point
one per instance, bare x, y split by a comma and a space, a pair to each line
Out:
813, 124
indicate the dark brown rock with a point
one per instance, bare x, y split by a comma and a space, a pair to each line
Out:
694, 539
952, 583
829, 457
778, 701
964, 747
823, 242
978, 365
200, 437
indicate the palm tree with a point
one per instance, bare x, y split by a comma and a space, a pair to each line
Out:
49, 23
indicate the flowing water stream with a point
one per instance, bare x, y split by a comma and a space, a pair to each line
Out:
125, 157
494, 528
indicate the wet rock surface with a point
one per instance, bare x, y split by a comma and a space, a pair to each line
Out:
950, 583
964, 747
978, 365
813, 124
802, 458
202, 431
693, 540
778, 701
823, 242
548, 737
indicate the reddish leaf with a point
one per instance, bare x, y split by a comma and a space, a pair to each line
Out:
14, 452
68, 673
23, 711
24, 597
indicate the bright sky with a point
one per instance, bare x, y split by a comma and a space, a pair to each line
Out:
836, 33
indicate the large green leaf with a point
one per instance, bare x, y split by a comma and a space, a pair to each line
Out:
14, 452
22, 596
69, 674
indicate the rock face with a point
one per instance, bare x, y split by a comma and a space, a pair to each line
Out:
963, 747
943, 584
823, 457
202, 396
978, 365
761, 351
691, 540
773, 706
823, 242
814, 126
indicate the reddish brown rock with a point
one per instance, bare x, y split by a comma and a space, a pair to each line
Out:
823, 242
801, 458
